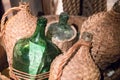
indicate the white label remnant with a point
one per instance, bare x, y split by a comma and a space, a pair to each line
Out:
110, 73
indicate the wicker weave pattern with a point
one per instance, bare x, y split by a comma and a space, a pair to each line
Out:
93, 6
88, 8
106, 40
99, 5
18, 25
71, 6
21, 25
79, 66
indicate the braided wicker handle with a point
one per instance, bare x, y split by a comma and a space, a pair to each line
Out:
3, 20
62, 70
69, 54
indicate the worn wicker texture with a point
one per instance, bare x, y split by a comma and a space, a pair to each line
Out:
93, 6
20, 25
105, 27
75, 64
64, 45
71, 6
85, 7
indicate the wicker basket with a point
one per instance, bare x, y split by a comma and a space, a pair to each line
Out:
22, 25
76, 63
90, 7
2, 77
79, 7
105, 27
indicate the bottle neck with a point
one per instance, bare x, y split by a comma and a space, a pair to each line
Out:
39, 32
63, 20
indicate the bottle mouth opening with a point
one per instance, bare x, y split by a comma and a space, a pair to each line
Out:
66, 40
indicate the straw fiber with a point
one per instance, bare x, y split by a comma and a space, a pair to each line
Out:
72, 7
20, 25
90, 7
75, 64
105, 27
84, 7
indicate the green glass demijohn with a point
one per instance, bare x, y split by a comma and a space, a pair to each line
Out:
60, 30
34, 55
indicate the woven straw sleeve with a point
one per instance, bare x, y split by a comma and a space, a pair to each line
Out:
84, 7
18, 26
75, 22
72, 7
90, 7
105, 27
79, 66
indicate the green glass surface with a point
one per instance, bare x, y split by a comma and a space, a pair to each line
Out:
60, 30
34, 55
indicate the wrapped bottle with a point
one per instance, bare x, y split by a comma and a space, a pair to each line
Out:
61, 33
105, 27
76, 63
34, 55
60, 30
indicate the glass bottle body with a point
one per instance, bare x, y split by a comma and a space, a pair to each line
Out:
34, 55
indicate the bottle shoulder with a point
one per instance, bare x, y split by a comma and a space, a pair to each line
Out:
52, 48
